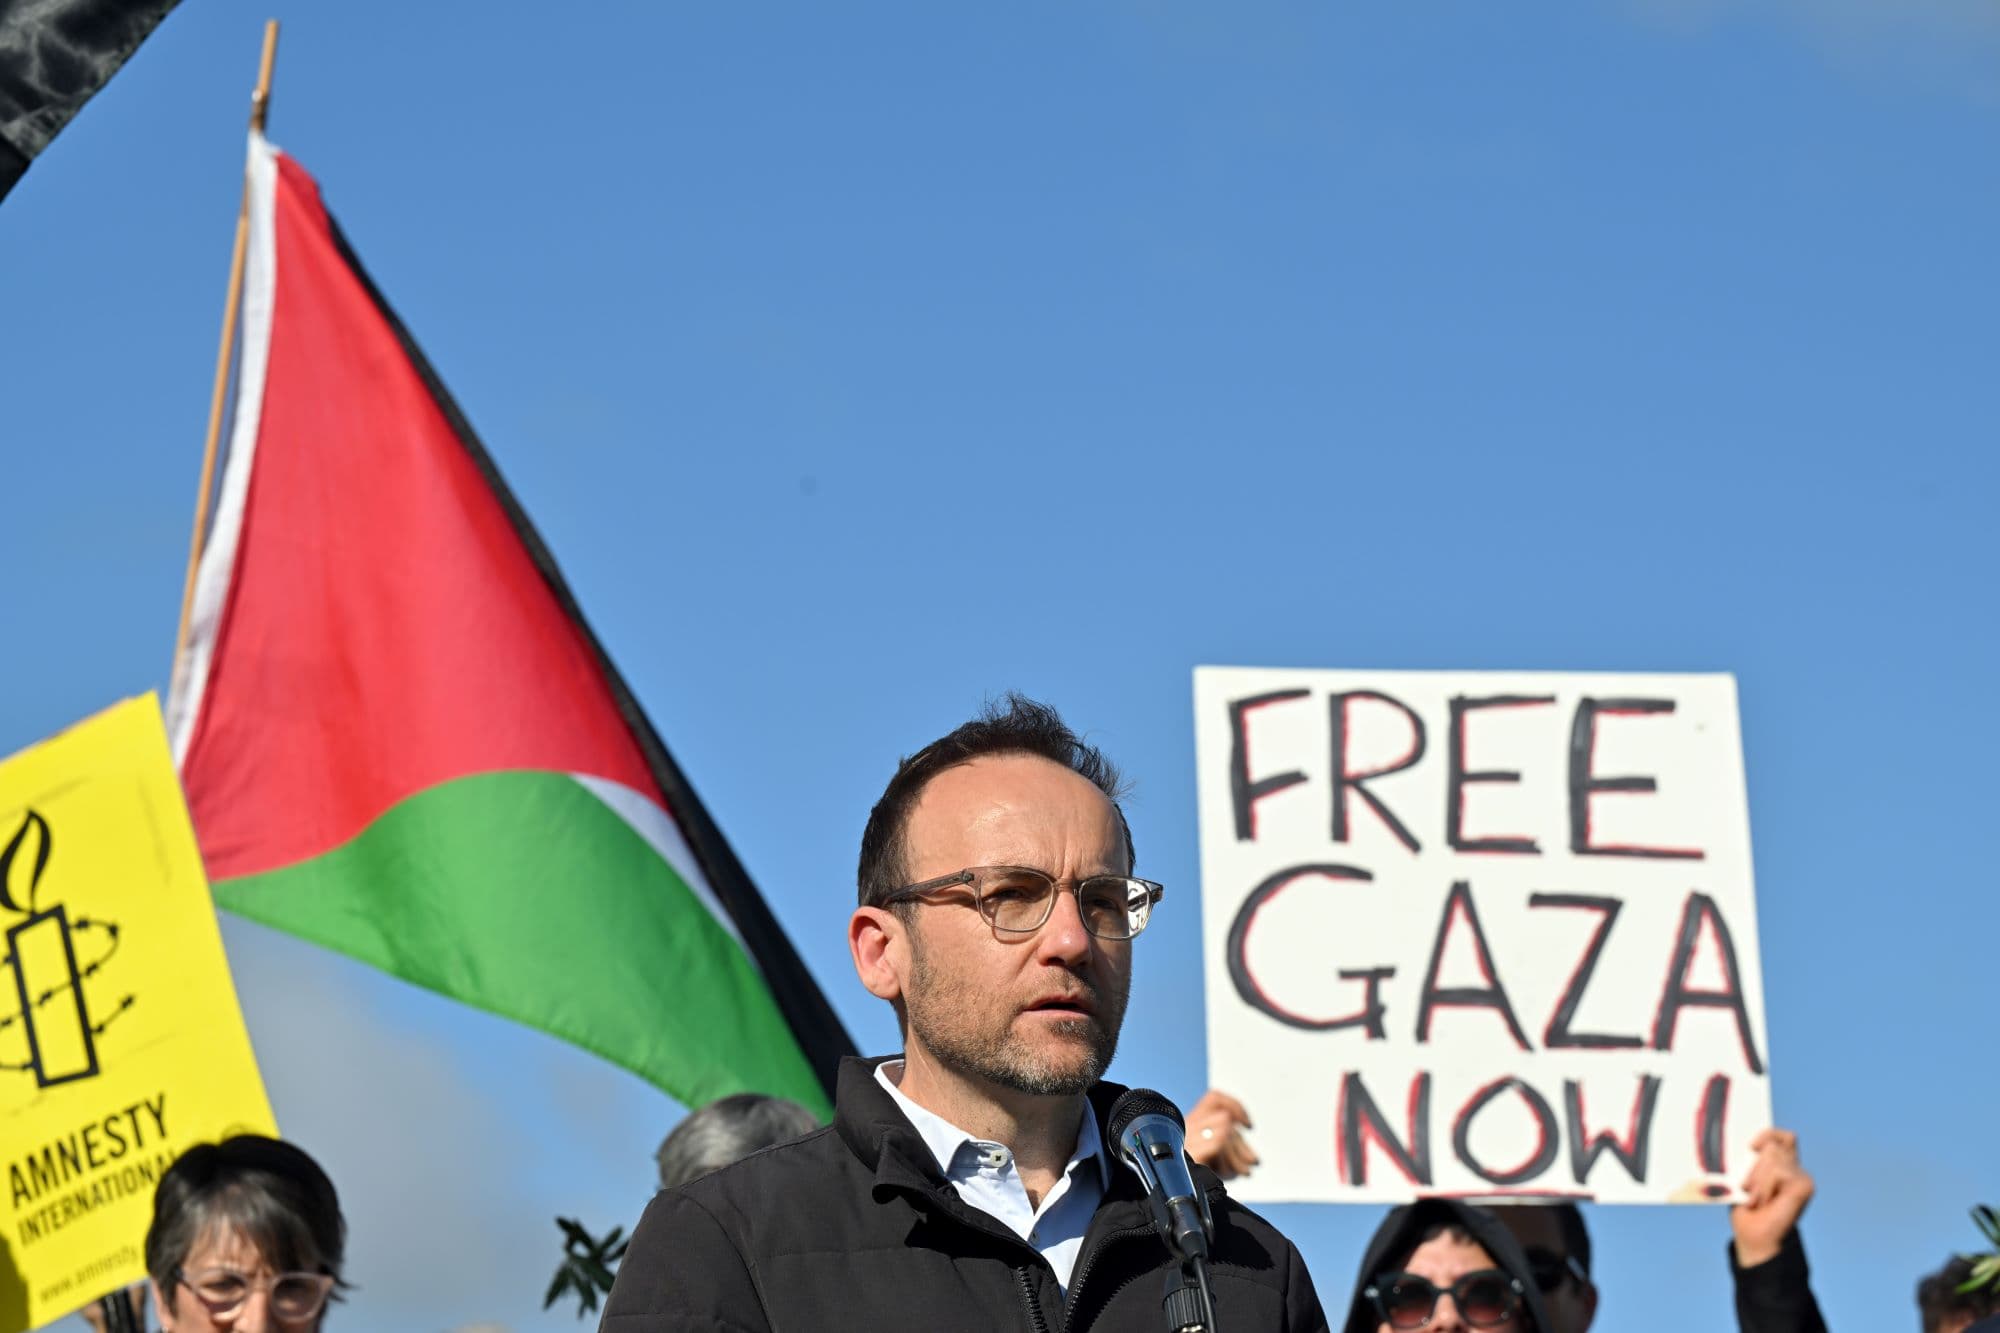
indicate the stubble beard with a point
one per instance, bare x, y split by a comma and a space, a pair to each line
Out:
941, 1020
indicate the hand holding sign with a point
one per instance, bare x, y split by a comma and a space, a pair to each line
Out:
1215, 1135
1775, 1193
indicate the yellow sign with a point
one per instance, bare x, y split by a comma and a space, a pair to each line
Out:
121, 1043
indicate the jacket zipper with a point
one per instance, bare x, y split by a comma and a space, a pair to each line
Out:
1090, 1261
1035, 1320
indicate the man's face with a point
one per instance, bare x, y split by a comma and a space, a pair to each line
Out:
1571, 1302
1040, 1013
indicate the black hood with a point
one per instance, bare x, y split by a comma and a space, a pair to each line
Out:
1398, 1236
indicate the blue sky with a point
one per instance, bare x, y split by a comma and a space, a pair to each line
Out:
860, 362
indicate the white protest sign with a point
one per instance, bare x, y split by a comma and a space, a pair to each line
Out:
1481, 933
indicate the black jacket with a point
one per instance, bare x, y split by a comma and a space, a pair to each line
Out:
1402, 1230
1776, 1295
853, 1227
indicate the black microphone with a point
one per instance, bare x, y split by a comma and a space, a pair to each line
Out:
1152, 1139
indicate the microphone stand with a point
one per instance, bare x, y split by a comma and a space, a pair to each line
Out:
1189, 1305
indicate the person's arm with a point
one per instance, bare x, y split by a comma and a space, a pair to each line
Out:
1767, 1259
1214, 1138
682, 1273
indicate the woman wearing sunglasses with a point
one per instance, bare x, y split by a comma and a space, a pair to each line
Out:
1444, 1267
247, 1237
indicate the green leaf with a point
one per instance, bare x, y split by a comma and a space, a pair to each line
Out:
1985, 1272
1987, 1221
587, 1266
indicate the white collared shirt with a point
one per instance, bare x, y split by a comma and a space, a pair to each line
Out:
983, 1175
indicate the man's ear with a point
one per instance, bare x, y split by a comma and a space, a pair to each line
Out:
1589, 1297
879, 941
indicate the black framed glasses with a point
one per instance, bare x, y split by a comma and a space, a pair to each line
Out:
1485, 1299
294, 1297
1018, 900
1550, 1270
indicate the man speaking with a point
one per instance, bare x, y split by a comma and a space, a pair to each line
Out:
969, 1183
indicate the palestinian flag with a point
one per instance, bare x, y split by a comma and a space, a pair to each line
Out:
399, 738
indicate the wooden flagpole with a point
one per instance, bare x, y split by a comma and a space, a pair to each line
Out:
260, 109
121, 1310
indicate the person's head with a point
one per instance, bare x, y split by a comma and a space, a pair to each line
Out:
246, 1237
1444, 1266
1447, 1283
996, 904
1946, 1309
1557, 1246
727, 1129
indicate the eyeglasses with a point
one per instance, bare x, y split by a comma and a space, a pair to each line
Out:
295, 1297
1017, 900
1485, 1299
1551, 1270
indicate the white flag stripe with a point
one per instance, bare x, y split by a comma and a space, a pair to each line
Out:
664, 836
218, 554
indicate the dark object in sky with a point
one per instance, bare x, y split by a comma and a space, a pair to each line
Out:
54, 56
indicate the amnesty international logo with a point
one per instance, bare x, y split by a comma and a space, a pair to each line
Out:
121, 1044
51, 955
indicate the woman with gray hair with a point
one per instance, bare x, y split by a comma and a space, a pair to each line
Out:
709, 1139
247, 1237
727, 1129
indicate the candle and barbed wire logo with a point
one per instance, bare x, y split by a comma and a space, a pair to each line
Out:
50, 955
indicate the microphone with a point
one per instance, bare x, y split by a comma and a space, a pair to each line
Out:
1151, 1138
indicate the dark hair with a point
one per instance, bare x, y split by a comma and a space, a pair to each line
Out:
727, 1129
1575, 1236
1938, 1295
1455, 1230
1396, 1260
1409, 1227
1015, 725
267, 1189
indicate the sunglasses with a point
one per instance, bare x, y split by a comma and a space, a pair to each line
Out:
1551, 1270
1485, 1299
